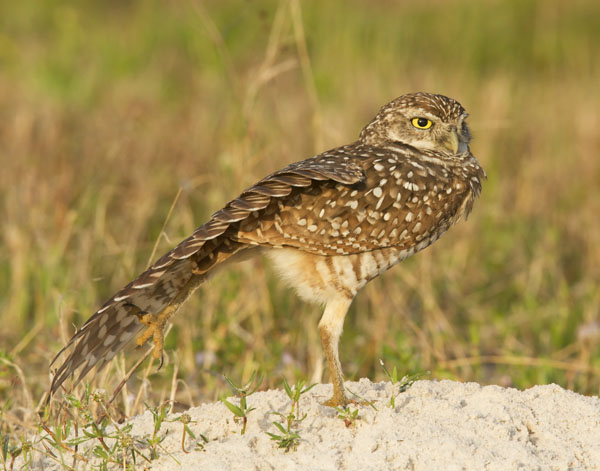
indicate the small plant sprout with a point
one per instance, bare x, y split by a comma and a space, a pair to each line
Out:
241, 412
159, 414
400, 385
295, 393
11, 452
348, 415
289, 438
185, 420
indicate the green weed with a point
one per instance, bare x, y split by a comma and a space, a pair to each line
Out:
290, 438
241, 412
348, 415
400, 385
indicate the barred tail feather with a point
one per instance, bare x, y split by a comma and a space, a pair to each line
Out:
118, 321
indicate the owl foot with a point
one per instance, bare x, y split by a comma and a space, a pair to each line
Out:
337, 400
155, 329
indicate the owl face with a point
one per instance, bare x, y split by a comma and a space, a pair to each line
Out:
422, 120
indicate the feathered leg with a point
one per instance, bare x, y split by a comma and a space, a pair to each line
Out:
330, 327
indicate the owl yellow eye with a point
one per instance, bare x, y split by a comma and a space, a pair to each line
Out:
421, 123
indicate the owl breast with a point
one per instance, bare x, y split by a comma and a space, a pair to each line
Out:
318, 278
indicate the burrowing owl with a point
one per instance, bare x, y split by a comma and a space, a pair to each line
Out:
330, 224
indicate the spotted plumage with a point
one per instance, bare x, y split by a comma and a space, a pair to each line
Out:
330, 224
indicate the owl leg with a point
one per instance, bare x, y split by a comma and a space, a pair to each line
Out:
330, 328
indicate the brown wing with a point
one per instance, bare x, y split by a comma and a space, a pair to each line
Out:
179, 271
403, 201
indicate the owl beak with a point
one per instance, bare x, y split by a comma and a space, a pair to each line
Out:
452, 142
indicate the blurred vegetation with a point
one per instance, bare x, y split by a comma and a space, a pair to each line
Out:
108, 109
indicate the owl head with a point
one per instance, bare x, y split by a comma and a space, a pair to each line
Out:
424, 121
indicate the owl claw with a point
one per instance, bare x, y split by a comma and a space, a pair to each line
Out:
155, 329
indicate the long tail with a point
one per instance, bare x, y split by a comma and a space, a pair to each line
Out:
168, 282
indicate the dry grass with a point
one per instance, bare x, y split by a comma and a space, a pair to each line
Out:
111, 111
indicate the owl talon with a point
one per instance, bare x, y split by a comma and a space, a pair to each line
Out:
337, 400
155, 327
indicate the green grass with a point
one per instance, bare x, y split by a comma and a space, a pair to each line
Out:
107, 109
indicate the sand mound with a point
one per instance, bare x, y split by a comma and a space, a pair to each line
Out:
434, 425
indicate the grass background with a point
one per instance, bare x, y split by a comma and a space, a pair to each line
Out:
111, 112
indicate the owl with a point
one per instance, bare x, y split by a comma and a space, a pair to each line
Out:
330, 224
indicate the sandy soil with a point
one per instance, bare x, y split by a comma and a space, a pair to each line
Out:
435, 425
